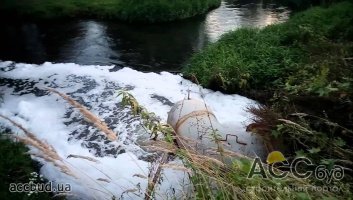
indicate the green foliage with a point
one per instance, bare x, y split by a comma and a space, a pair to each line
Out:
304, 135
16, 167
306, 66
283, 56
149, 119
127, 10
318, 139
214, 179
231, 182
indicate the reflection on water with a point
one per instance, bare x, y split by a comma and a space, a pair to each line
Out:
90, 45
244, 13
154, 47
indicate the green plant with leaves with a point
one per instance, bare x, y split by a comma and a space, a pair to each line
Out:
149, 120
305, 135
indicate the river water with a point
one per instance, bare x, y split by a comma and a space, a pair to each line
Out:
159, 47
90, 60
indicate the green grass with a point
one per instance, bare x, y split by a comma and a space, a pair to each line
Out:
302, 72
127, 10
296, 53
16, 167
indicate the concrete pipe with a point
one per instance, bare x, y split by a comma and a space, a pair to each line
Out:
195, 121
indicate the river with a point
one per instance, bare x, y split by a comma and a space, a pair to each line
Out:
158, 47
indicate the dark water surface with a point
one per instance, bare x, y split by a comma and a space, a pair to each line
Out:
157, 47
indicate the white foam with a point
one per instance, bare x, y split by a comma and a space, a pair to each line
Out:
51, 119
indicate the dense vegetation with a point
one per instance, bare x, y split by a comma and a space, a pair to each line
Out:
219, 179
287, 56
127, 10
302, 72
17, 167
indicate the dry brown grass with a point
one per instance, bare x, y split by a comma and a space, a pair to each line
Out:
211, 174
89, 116
46, 151
83, 157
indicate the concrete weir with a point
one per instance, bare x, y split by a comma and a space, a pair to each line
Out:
194, 120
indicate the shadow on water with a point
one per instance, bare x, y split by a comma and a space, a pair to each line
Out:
154, 47
143, 47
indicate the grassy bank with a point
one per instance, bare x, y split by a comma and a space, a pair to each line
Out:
302, 72
127, 10
16, 166
292, 56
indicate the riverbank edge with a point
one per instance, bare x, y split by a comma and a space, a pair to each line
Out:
307, 107
131, 12
17, 166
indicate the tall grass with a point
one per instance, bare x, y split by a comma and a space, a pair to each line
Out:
127, 10
213, 178
302, 70
89, 116
46, 151
304, 54
17, 167
210, 178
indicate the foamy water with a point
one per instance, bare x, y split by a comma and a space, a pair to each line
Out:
53, 120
